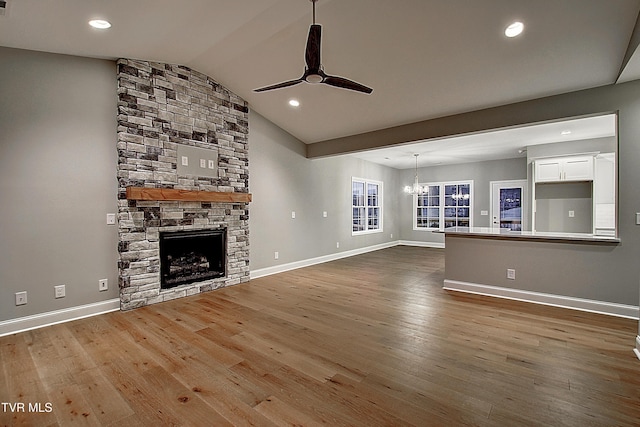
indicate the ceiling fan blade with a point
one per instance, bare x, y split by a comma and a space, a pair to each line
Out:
279, 85
343, 83
312, 53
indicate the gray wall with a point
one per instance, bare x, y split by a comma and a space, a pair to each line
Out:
57, 180
482, 173
555, 200
282, 180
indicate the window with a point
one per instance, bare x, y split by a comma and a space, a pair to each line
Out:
444, 205
366, 198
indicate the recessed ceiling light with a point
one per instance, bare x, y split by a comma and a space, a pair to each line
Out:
514, 29
294, 102
100, 24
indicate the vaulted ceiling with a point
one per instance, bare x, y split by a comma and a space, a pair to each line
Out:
423, 58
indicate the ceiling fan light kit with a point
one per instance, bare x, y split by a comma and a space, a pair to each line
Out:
314, 72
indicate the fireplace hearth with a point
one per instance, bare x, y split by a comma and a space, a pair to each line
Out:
192, 256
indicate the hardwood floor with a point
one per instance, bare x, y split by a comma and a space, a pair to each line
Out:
371, 340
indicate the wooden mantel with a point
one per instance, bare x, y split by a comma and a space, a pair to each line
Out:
142, 193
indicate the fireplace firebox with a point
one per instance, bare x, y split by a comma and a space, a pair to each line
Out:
192, 256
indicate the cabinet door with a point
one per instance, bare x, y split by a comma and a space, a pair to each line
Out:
548, 170
578, 169
604, 199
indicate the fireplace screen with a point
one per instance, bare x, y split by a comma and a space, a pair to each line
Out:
191, 256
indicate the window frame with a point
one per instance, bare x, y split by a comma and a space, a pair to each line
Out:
441, 206
379, 206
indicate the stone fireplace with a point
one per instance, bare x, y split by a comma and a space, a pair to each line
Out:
183, 172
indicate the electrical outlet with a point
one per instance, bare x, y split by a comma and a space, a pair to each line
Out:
511, 274
324, 214
185, 161
276, 255
103, 284
572, 214
59, 291
293, 214
21, 298
337, 244
203, 163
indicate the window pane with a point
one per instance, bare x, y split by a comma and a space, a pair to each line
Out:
463, 212
464, 196
451, 195
449, 212
358, 219
463, 223
358, 193
372, 194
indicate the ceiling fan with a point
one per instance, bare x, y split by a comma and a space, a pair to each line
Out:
314, 72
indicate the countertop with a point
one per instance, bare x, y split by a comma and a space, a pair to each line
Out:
506, 234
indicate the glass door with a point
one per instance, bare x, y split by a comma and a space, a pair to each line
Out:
507, 204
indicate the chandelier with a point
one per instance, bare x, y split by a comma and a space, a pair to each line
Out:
416, 188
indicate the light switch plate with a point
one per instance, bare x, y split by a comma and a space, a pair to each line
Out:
638, 218
185, 161
111, 219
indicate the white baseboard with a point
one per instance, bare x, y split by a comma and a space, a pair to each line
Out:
637, 349
437, 245
609, 308
35, 321
318, 260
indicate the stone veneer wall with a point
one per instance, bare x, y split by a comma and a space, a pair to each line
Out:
159, 107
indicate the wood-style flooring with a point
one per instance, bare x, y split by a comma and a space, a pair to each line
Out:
371, 340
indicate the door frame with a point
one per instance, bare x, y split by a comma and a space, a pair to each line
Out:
493, 185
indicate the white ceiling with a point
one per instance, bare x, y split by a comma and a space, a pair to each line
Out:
424, 58
495, 145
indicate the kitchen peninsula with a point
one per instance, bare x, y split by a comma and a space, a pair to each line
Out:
560, 269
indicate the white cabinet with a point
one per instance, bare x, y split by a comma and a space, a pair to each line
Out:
574, 168
604, 194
